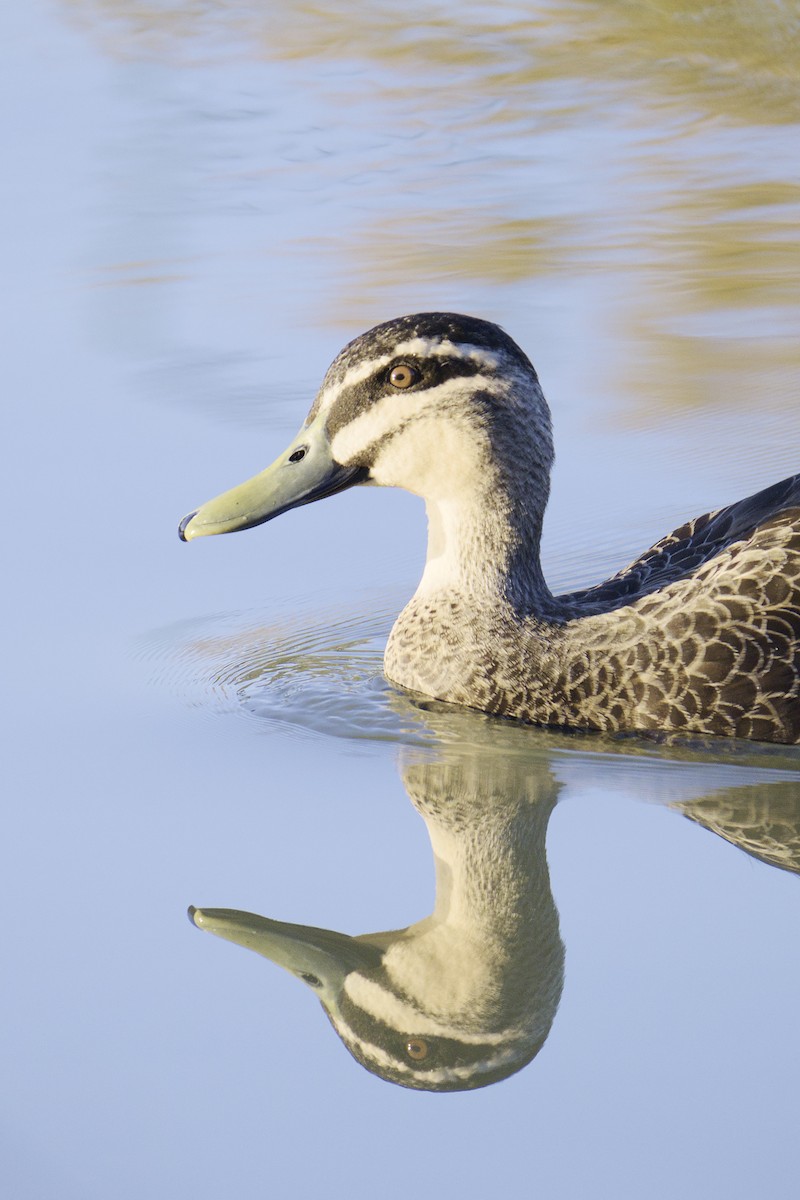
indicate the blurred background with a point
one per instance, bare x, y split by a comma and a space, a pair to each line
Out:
201, 202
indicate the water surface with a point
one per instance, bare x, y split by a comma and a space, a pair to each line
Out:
202, 203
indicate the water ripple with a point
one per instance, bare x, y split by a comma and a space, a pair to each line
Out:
315, 675
321, 675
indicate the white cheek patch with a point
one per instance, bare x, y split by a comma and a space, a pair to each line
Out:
420, 348
390, 413
390, 1009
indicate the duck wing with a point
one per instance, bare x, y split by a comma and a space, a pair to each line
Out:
708, 639
688, 547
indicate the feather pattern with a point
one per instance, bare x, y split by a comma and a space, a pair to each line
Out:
699, 635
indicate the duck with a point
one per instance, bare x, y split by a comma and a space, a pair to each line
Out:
467, 996
698, 636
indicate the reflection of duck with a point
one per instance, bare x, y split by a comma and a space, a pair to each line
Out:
467, 996
701, 634
762, 821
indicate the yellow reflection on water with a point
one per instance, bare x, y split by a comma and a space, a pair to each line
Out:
732, 54
477, 244
723, 324
642, 142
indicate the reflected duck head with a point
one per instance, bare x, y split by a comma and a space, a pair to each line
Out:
374, 994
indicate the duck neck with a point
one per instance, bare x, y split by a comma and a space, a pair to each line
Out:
490, 953
485, 543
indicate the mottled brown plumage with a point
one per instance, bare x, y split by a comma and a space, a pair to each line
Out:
700, 635
763, 820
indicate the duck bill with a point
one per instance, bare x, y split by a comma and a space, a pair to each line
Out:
305, 472
320, 957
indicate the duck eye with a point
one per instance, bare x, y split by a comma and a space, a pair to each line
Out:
311, 980
417, 1049
403, 376
298, 454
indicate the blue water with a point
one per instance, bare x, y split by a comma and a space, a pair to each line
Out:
201, 204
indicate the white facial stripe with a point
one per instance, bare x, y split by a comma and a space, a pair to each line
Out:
392, 1010
419, 347
438, 1075
392, 411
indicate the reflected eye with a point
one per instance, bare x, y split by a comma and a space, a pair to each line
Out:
298, 455
403, 376
417, 1049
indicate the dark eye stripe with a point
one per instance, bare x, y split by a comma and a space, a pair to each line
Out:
359, 397
354, 1021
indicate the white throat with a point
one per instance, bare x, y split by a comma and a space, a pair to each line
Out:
468, 545
449, 463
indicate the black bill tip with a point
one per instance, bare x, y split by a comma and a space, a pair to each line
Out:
183, 524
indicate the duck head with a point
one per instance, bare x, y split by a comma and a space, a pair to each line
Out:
437, 403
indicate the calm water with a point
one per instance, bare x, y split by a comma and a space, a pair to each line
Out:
202, 202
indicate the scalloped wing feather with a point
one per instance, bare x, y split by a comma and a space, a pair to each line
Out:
716, 649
